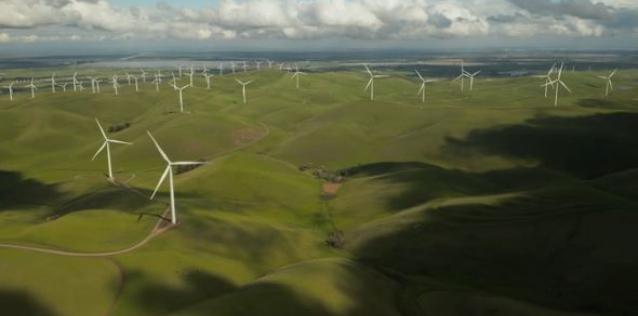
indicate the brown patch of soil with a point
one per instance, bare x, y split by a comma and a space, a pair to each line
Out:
247, 135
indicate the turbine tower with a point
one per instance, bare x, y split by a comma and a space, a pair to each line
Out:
107, 144
116, 85
169, 172
53, 83
208, 77
75, 82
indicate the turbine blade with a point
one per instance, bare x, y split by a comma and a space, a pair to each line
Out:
159, 148
166, 171
101, 129
99, 151
565, 86
368, 69
419, 74
119, 142
422, 88
368, 85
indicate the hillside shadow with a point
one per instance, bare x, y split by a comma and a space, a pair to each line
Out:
421, 183
21, 303
601, 104
568, 248
112, 197
160, 299
586, 147
16, 191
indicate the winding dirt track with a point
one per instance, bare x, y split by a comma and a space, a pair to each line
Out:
157, 230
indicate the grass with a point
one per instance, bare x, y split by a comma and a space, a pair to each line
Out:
475, 202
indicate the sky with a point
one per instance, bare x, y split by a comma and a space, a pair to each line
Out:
141, 25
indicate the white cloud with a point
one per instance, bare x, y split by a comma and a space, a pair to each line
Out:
363, 19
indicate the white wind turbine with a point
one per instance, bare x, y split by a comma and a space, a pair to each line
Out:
245, 65
258, 64
10, 87
548, 78
107, 144
424, 82
181, 96
464, 74
157, 81
137, 87
221, 68
558, 82
232, 66
63, 86
128, 78
208, 77
92, 85
75, 82
609, 85
297, 74
97, 84
143, 75
33, 88
116, 85
370, 84
53, 83
243, 87
190, 75
472, 76
270, 62
169, 172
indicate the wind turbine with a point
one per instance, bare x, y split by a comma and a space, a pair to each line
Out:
33, 88
243, 87
107, 144
548, 78
232, 66
464, 74
370, 84
609, 85
190, 75
558, 82
471, 76
258, 63
270, 62
245, 65
75, 82
221, 68
169, 172
137, 87
207, 76
157, 82
53, 83
63, 86
143, 75
97, 84
10, 87
116, 85
297, 74
423, 85
181, 96
92, 84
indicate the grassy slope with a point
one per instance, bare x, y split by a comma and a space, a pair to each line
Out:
249, 213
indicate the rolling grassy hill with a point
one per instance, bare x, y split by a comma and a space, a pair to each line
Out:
490, 202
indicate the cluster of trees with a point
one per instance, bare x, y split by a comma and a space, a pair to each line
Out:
118, 127
323, 173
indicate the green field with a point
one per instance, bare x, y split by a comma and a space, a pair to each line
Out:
490, 202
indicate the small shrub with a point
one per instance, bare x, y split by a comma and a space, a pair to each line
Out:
335, 239
118, 127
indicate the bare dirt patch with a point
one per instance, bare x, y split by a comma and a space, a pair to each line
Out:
247, 135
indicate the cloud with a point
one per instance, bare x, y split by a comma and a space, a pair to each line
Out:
304, 19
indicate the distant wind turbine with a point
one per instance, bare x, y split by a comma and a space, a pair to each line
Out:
423, 86
33, 88
75, 82
609, 85
10, 87
107, 144
169, 172
297, 74
116, 85
243, 88
208, 77
558, 82
370, 84
53, 83
548, 78
181, 96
